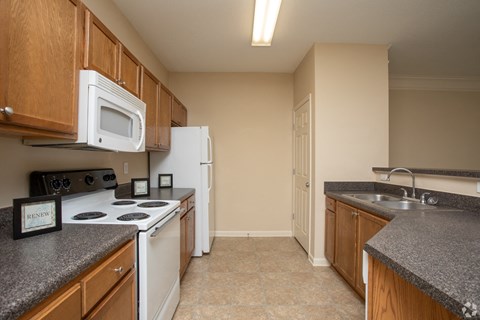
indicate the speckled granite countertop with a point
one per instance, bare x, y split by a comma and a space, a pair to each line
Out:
180, 194
33, 268
437, 251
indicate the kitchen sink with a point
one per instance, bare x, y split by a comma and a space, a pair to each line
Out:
404, 205
373, 197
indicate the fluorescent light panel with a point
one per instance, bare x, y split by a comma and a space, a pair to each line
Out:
264, 21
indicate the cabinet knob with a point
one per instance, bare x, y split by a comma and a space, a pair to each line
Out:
121, 82
8, 111
118, 270
354, 214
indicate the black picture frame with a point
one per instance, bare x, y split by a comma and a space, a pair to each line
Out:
165, 180
36, 215
140, 187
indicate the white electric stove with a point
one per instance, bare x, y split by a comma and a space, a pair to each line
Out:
88, 197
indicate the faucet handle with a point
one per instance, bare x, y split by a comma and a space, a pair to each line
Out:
405, 193
422, 197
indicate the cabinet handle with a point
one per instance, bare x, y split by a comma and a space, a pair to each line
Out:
354, 214
121, 82
118, 270
8, 111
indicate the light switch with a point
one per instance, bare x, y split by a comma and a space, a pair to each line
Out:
125, 168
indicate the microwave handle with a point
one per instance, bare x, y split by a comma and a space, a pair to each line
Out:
142, 124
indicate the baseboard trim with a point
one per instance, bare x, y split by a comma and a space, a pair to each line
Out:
318, 262
253, 234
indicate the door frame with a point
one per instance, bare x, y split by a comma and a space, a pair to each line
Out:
308, 99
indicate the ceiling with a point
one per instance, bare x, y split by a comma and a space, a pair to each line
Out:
438, 38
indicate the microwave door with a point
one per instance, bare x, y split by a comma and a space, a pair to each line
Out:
114, 124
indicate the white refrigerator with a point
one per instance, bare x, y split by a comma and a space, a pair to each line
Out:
190, 160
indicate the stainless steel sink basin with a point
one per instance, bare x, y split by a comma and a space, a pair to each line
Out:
373, 197
404, 205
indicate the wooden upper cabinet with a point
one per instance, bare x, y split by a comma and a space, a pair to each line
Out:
102, 48
129, 71
104, 53
165, 118
41, 54
179, 114
150, 91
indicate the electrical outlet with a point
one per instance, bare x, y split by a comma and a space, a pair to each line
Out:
125, 168
478, 187
383, 177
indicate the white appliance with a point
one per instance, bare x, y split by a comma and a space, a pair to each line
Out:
109, 118
190, 160
158, 239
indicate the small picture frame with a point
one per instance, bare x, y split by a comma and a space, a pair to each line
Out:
165, 180
140, 187
36, 215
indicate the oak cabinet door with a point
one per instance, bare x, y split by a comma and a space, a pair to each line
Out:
368, 226
41, 54
102, 48
150, 95
190, 232
165, 118
129, 71
330, 236
345, 240
179, 114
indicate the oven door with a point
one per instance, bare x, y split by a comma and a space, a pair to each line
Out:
113, 123
158, 267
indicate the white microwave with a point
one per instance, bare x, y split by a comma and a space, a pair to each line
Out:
109, 118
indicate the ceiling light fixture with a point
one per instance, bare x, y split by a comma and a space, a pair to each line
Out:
264, 21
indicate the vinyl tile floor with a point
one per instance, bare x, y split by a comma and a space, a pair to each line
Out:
263, 279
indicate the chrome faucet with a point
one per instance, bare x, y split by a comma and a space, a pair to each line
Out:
408, 171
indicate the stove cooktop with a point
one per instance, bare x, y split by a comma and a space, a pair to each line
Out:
101, 207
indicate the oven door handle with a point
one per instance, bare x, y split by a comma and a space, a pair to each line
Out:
159, 229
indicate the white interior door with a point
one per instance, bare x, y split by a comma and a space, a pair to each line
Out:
302, 173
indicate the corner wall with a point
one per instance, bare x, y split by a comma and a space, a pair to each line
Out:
250, 119
351, 119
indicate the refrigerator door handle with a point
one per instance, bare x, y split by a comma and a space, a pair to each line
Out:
210, 177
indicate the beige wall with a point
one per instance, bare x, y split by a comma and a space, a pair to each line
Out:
351, 118
250, 118
116, 22
434, 129
18, 160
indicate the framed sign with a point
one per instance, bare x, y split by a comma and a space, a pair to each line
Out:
140, 187
37, 215
165, 180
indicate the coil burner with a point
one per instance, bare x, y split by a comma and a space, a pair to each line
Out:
133, 216
89, 215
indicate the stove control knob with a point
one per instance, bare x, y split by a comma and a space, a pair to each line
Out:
113, 176
56, 184
89, 180
106, 177
67, 183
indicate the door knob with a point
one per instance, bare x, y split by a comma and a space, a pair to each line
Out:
307, 184
8, 111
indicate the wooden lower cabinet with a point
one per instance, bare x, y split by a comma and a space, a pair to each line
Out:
345, 237
118, 304
330, 236
367, 226
107, 291
346, 232
68, 303
187, 233
392, 298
